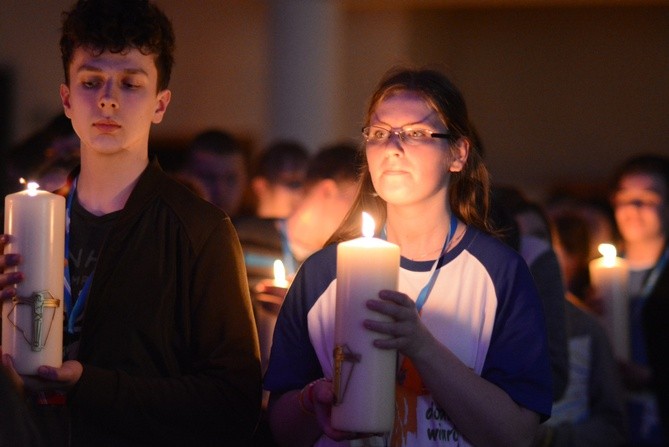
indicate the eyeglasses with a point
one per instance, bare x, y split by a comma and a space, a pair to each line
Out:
407, 135
636, 203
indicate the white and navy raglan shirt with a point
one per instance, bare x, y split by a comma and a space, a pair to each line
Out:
484, 307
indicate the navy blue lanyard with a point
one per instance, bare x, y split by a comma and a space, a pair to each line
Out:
73, 312
654, 275
427, 288
288, 259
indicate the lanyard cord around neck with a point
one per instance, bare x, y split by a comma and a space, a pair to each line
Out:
654, 275
287, 254
75, 309
427, 288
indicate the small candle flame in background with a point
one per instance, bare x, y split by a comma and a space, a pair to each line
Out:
368, 225
280, 274
608, 251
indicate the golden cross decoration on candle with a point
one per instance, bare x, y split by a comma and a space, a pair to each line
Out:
37, 303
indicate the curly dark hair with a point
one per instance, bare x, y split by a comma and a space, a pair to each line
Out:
119, 26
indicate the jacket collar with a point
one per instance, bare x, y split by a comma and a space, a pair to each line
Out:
147, 187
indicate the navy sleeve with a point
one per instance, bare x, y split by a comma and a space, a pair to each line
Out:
293, 362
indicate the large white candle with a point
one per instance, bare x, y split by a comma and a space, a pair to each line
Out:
609, 277
32, 323
364, 375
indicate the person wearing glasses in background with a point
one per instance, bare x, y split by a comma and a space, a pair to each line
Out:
641, 211
425, 184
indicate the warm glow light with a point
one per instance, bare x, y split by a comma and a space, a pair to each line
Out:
608, 251
367, 225
280, 273
32, 188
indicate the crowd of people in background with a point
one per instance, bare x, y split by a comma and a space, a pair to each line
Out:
546, 373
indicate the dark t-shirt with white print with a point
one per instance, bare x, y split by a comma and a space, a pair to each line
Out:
87, 234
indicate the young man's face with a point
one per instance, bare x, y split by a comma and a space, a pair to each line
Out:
112, 101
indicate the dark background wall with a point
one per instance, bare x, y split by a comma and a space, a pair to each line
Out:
561, 91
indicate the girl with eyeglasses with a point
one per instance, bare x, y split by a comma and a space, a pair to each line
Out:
467, 321
641, 211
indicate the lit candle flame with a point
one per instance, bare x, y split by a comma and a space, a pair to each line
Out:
31, 187
280, 273
368, 225
608, 251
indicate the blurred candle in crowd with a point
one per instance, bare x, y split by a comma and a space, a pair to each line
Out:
268, 297
274, 289
280, 274
364, 375
32, 323
609, 277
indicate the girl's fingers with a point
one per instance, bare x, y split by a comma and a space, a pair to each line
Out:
396, 297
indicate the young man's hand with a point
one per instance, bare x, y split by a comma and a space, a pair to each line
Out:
47, 378
64, 377
8, 280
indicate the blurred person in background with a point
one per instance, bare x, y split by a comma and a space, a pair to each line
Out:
330, 184
218, 162
329, 189
278, 177
640, 199
46, 156
534, 243
591, 411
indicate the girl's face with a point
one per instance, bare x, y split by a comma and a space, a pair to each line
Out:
409, 172
640, 206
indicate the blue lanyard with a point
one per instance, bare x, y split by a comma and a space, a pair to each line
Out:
266, 261
73, 313
288, 259
654, 275
425, 291
427, 288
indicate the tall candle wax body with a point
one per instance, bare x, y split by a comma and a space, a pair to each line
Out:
609, 278
32, 323
366, 389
